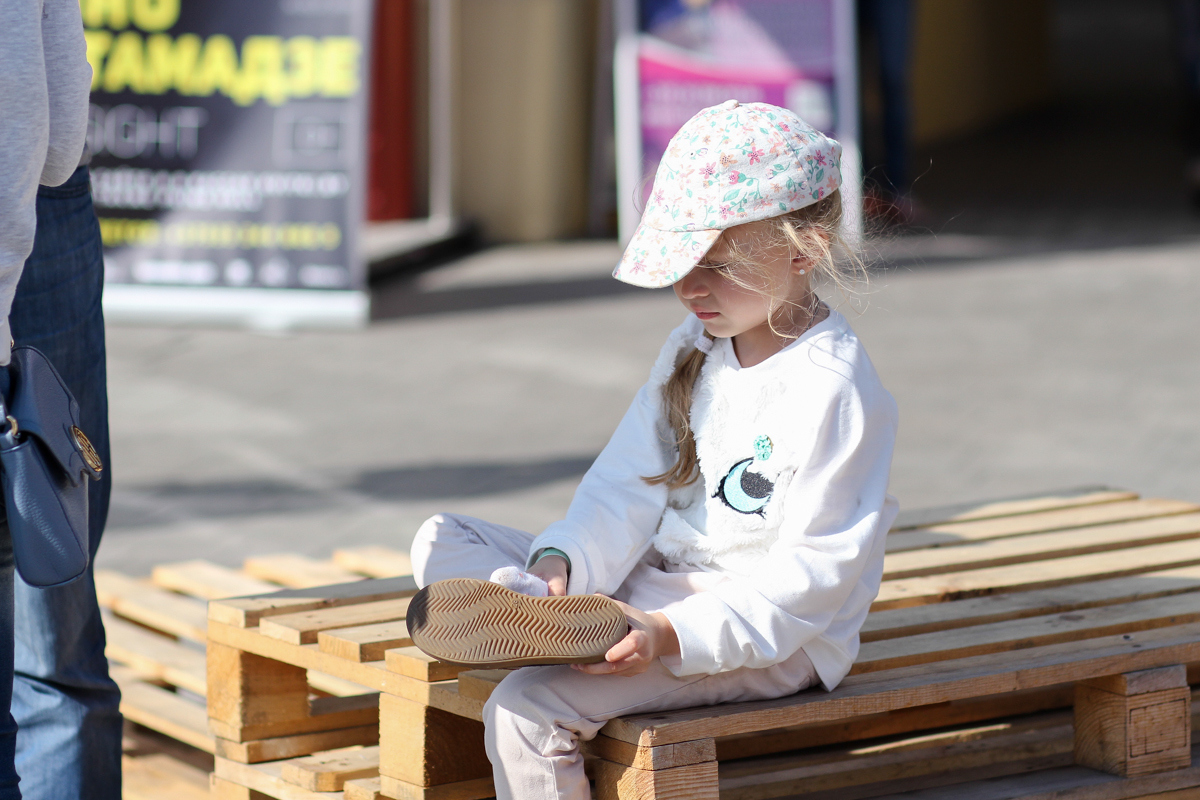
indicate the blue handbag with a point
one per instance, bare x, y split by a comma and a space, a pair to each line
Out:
45, 464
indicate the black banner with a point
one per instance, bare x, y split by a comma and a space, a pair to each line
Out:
227, 140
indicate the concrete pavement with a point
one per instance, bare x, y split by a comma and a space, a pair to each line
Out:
494, 381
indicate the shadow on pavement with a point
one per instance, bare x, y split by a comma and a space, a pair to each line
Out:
401, 298
466, 480
167, 503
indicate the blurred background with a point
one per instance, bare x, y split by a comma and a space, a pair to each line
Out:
1032, 214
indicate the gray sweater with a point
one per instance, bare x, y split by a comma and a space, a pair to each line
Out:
44, 84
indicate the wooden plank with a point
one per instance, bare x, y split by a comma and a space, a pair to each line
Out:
412, 663
255, 697
663, 757
922, 685
364, 642
206, 580
226, 790
333, 685
890, 723
1039, 546
1064, 783
1035, 575
329, 771
1007, 507
280, 747
363, 789
162, 710
151, 606
955, 533
303, 627
157, 776
1148, 680
426, 746
266, 778
477, 789
246, 612
327, 714
374, 561
296, 571
1042, 741
906, 621
620, 782
1029, 632
154, 656
369, 674
1138, 735
442, 695
480, 683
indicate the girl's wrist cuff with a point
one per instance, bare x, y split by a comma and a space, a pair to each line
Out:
552, 551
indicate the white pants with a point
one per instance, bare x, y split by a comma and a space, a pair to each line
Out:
537, 715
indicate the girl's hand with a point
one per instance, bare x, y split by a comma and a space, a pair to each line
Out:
650, 636
553, 570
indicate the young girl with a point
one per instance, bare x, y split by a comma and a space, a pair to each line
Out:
739, 512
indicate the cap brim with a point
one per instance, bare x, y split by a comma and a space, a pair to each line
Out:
655, 258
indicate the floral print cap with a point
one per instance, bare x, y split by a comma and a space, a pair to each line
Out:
729, 164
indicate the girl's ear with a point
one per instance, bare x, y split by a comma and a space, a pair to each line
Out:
801, 264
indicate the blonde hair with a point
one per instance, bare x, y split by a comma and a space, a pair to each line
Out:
812, 233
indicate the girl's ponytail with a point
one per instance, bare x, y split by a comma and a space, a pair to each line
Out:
677, 400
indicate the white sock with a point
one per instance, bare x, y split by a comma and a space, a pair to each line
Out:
513, 578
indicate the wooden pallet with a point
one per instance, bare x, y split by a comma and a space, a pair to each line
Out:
157, 634
1020, 608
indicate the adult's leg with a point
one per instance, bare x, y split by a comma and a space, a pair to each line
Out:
69, 744
8, 726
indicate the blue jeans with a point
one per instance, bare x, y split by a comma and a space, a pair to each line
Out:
69, 742
8, 726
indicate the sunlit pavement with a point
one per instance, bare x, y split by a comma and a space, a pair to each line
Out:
495, 381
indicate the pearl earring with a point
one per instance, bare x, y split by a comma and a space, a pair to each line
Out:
801, 272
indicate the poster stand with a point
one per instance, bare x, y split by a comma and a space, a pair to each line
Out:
366, 246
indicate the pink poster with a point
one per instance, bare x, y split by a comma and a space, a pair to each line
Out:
697, 53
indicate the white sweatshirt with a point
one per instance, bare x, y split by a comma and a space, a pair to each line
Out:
44, 84
791, 504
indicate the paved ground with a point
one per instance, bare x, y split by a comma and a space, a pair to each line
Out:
490, 385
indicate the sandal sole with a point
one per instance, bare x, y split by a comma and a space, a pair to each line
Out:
481, 624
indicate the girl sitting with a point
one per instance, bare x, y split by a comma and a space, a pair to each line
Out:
738, 514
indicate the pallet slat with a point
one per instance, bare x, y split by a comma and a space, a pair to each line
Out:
1030, 632
1040, 546
1046, 740
329, 771
247, 612
954, 533
373, 560
206, 580
163, 711
155, 656
303, 627
267, 778
911, 620
1068, 783
296, 571
986, 509
151, 606
1035, 575
158, 776
921, 685
364, 642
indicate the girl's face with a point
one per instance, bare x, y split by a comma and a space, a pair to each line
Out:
731, 310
